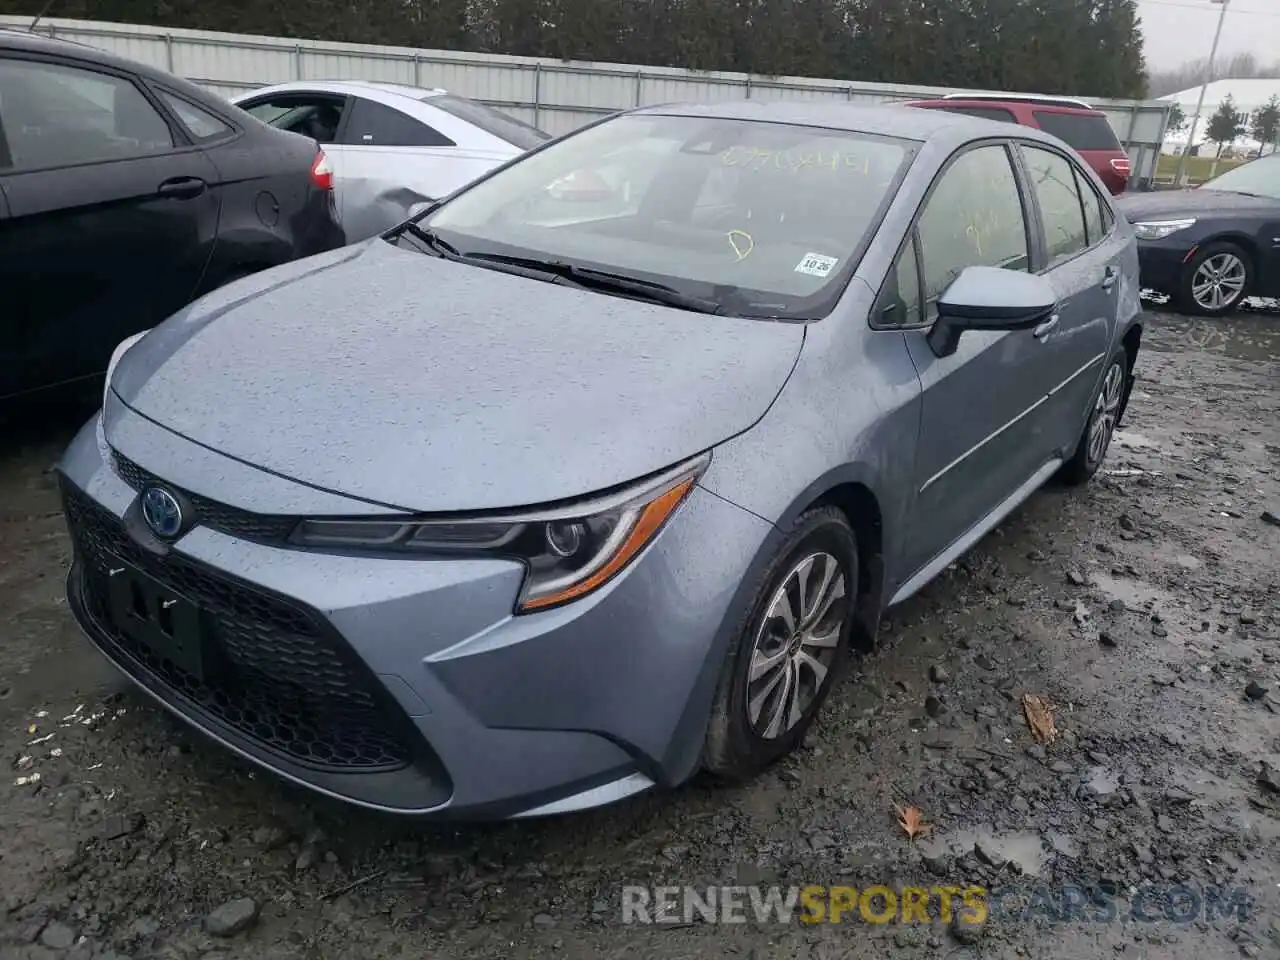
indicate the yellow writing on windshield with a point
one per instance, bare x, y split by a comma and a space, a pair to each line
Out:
757, 158
742, 244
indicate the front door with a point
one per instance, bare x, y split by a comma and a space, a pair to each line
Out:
112, 218
982, 430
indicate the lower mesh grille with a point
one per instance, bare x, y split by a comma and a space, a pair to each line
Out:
288, 682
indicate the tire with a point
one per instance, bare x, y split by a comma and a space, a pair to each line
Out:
738, 747
1104, 415
1234, 267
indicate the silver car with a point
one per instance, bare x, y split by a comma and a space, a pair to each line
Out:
595, 475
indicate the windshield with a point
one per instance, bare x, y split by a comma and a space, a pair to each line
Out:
1259, 177
764, 219
491, 121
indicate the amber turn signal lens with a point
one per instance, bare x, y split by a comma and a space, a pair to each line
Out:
648, 523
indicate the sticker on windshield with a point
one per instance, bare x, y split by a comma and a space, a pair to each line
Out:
816, 265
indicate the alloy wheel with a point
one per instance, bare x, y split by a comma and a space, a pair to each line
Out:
796, 643
1105, 412
1218, 283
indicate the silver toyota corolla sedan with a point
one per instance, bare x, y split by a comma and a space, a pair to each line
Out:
594, 475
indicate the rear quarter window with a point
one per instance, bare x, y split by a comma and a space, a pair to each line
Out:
491, 121
1080, 131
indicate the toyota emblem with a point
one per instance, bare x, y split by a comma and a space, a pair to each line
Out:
161, 512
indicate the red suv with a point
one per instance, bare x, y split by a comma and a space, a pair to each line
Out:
1083, 128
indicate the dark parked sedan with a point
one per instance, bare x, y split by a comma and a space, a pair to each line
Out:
125, 193
1211, 247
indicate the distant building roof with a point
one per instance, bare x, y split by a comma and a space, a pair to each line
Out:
1249, 95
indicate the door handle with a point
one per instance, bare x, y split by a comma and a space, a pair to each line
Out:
1042, 331
1109, 278
182, 188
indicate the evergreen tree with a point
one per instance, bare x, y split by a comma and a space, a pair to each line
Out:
1265, 124
1226, 126
1080, 47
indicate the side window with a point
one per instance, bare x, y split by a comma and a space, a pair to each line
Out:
900, 304
200, 123
316, 117
1054, 183
1094, 219
376, 125
973, 218
55, 116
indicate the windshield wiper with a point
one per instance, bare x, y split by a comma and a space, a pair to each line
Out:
605, 281
429, 238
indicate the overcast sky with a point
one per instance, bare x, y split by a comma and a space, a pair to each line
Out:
1181, 30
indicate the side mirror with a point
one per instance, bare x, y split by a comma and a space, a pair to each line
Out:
990, 298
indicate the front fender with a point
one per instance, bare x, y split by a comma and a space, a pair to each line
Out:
848, 417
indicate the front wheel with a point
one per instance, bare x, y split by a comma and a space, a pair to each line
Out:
790, 648
1216, 280
1101, 426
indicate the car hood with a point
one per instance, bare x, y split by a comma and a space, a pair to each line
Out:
419, 383
1194, 202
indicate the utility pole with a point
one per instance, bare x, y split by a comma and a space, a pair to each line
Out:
1204, 87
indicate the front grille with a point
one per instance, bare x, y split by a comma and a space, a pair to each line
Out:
287, 682
210, 513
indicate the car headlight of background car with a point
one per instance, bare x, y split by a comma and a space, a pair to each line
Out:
568, 551
1159, 229
121, 349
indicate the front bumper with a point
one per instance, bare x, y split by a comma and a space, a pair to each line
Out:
406, 684
1160, 263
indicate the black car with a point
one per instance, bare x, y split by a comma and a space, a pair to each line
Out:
1211, 247
125, 193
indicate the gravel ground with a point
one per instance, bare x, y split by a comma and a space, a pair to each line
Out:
1145, 609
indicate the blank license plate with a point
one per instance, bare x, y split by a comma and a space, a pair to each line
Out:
153, 615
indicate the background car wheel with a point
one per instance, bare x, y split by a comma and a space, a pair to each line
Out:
1216, 280
790, 648
1101, 427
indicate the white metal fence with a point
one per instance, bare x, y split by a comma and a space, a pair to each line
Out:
555, 95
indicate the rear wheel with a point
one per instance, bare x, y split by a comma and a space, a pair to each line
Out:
789, 650
1096, 439
1216, 280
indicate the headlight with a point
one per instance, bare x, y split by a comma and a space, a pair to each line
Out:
116, 354
1159, 229
569, 551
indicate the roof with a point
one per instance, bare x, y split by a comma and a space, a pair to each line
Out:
1249, 95
11, 38
22, 40
356, 87
888, 120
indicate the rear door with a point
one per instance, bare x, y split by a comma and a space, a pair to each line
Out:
982, 432
392, 160
112, 217
1083, 258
